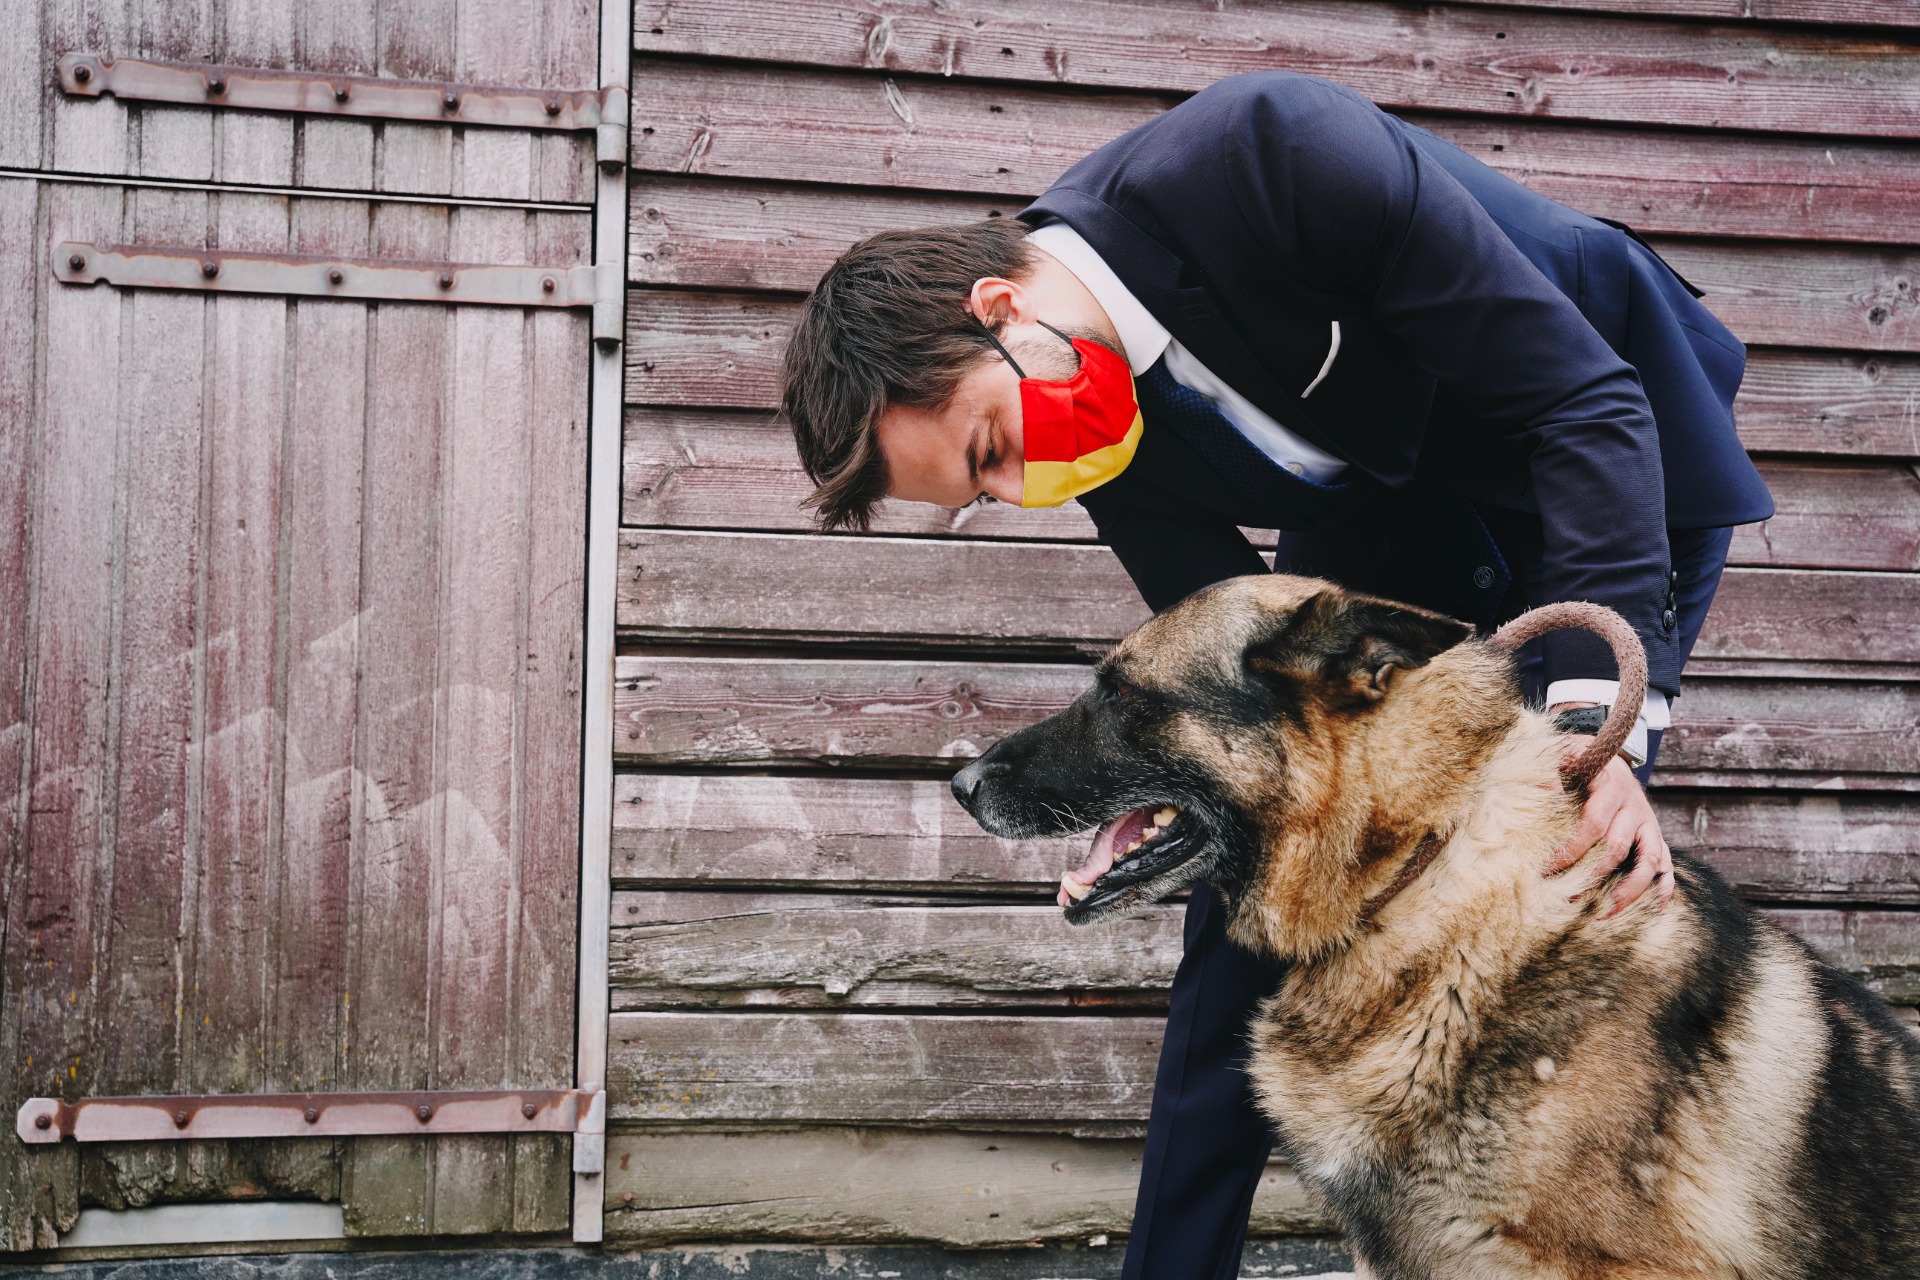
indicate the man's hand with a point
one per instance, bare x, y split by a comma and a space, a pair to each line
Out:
1619, 814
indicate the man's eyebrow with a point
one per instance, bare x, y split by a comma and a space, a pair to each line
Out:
973, 457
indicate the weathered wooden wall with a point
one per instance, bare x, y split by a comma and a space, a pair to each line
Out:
290, 599
841, 1012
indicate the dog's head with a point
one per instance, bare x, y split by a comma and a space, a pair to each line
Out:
1254, 737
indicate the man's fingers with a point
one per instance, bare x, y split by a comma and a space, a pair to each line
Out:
1653, 864
1599, 814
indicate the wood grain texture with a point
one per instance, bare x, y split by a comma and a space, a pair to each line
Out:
717, 950
551, 45
1890, 13
1009, 142
723, 350
707, 470
1524, 62
908, 835
930, 1069
1056, 1071
681, 584
964, 1190
934, 714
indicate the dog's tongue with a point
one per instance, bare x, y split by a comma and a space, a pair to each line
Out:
1116, 834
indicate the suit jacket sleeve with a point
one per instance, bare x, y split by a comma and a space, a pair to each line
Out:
1344, 198
1168, 557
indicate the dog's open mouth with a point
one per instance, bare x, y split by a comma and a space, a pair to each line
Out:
1128, 853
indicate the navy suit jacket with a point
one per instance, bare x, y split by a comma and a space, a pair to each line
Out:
1495, 346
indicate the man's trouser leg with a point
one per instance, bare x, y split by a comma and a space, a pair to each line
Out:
1207, 1142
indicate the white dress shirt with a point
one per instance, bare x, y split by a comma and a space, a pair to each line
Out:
1144, 340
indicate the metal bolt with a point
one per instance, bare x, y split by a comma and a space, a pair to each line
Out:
209, 268
553, 106
77, 262
335, 275
180, 1119
446, 279
450, 100
423, 1113
527, 1109
341, 92
313, 1115
546, 284
82, 73
216, 84
43, 1122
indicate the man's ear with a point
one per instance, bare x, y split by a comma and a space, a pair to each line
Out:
1353, 645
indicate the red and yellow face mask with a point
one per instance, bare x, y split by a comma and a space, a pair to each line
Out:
1079, 433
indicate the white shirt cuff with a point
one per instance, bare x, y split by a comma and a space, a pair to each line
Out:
1656, 712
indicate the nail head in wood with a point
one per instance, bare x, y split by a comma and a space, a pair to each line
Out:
77, 262
553, 106
216, 84
313, 1115
46, 1122
450, 100
527, 1109
446, 279
336, 276
546, 284
180, 1119
82, 73
209, 268
342, 92
423, 1113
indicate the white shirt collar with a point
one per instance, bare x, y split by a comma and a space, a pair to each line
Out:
1142, 338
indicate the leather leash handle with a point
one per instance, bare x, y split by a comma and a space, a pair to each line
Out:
1628, 652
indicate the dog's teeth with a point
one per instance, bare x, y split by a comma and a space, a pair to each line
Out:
1074, 888
1165, 816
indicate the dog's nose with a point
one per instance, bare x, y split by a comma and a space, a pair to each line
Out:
966, 784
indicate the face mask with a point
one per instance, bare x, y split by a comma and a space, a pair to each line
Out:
1079, 433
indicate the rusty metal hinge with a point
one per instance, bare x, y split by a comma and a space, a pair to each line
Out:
604, 111
367, 279
296, 1115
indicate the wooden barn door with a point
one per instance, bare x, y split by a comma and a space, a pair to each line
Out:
843, 1014
291, 592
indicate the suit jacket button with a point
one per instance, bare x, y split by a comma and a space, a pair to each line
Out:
1667, 620
1483, 577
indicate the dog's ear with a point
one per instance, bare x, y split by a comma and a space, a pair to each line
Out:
1352, 645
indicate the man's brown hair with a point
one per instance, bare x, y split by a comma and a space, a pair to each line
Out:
886, 325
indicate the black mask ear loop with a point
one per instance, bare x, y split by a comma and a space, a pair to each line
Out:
1004, 353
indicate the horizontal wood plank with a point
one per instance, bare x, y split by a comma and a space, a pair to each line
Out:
683, 584
964, 1190
908, 835
723, 350
1886, 13
678, 1067
706, 470
929, 1069
1853, 298
1501, 62
1011, 141
716, 950
934, 715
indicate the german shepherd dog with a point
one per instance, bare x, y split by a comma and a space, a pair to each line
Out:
1489, 1076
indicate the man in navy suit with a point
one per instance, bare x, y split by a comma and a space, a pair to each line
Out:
1437, 385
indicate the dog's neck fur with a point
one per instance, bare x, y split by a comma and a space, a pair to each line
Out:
1355, 812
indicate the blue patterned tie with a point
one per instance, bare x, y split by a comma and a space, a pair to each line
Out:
1292, 502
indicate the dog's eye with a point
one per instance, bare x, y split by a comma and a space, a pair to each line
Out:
1120, 692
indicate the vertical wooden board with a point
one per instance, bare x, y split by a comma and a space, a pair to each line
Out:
84, 135
569, 58
154, 668
23, 85
337, 37
483, 500
225, 999
321, 514
176, 141
255, 147
387, 1187
51, 910
416, 42
543, 976
498, 44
